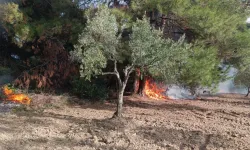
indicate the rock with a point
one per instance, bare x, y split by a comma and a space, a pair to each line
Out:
95, 139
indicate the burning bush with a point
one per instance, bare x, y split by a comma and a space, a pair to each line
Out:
11, 96
154, 91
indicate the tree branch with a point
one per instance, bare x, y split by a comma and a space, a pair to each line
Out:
109, 73
117, 73
115, 67
127, 71
44, 64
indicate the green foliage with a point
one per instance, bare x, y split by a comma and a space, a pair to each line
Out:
212, 18
157, 55
139, 7
36, 18
218, 25
23, 33
145, 43
241, 59
13, 19
93, 90
10, 13
242, 78
98, 43
216, 22
201, 69
123, 18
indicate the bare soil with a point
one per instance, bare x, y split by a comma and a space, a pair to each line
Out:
51, 123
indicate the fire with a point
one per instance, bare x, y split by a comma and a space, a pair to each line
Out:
11, 96
153, 91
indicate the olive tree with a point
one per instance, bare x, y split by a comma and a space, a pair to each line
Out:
100, 43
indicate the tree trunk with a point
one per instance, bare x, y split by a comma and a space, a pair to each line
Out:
122, 85
136, 81
118, 112
116, 3
193, 90
248, 91
135, 86
141, 86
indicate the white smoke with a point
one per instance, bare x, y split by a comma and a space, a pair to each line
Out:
177, 92
229, 87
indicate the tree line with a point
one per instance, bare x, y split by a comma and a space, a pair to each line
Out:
180, 42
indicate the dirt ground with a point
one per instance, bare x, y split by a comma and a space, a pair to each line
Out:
51, 123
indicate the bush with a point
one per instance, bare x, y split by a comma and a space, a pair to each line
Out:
92, 90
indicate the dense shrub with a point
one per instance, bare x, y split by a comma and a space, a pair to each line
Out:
92, 90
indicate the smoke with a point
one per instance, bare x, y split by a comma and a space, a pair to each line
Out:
229, 87
177, 92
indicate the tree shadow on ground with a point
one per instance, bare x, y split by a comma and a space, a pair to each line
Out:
54, 143
227, 99
183, 139
230, 96
98, 130
108, 124
98, 105
240, 103
164, 137
151, 104
139, 104
144, 103
162, 105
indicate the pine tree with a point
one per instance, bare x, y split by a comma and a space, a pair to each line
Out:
201, 69
242, 78
41, 33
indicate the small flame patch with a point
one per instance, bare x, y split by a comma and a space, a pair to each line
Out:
152, 90
19, 98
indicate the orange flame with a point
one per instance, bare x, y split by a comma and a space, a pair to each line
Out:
153, 91
11, 96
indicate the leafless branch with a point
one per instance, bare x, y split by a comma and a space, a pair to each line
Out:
115, 66
128, 69
109, 73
